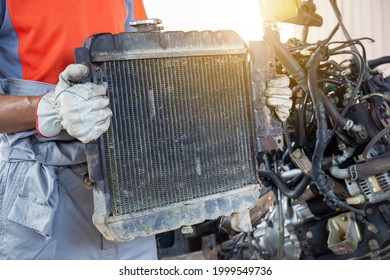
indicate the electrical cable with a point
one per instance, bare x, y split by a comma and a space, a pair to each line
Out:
324, 183
359, 79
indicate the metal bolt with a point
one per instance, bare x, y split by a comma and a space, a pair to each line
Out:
372, 228
298, 153
187, 230
87, 182
373, 244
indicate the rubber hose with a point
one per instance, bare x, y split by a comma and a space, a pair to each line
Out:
373, 167
278, 182
379, 61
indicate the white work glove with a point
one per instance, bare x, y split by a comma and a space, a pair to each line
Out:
279, 96
81, 109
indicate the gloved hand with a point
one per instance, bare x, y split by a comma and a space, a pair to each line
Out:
81, 109
279, 96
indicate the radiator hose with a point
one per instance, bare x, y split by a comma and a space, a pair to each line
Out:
278, 182
363, 170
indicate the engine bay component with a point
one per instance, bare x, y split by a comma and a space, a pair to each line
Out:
268, 133
376, 188
344, 233
179, 149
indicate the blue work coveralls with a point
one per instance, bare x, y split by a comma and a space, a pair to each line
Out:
45, 210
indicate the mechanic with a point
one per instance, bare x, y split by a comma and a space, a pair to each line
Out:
45, 119
46, 116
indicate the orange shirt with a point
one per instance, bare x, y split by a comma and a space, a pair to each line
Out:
48, 31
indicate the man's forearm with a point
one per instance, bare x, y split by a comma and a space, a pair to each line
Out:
17, 113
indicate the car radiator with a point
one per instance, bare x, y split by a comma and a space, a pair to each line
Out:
181, 145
